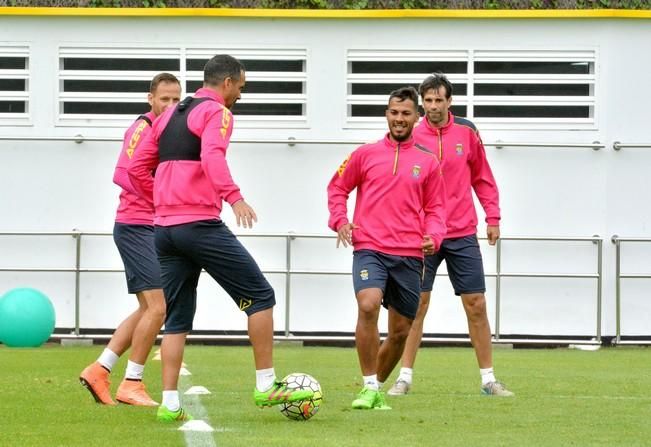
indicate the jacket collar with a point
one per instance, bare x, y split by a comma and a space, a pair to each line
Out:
436, 130
205, 92
409, 142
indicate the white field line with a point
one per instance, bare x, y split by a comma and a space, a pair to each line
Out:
552, 396
192, 403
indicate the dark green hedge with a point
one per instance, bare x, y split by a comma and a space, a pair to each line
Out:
344, 4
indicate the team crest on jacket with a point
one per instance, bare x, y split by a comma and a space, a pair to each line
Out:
363, 274
415, 171
459, 149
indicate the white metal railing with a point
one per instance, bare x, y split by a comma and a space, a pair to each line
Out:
291, 141
289, 272
618, 241
617, 145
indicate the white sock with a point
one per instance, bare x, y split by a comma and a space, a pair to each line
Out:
134, 371
171, 400
108, 359
264, 379
487, 375
406, 374
371, 382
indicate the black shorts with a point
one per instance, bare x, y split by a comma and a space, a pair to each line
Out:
464, 263
397, 276
183, 250
136, 246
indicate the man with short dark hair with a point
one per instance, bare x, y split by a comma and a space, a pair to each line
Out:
134, 237
399, 215
465, 168
187, 147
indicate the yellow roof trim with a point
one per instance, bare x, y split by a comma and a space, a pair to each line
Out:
334, 13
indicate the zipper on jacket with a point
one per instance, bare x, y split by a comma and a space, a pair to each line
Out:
395, 160
440, 146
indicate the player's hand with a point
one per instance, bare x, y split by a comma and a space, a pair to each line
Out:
493, 234
428, 245
345, 234
244, 214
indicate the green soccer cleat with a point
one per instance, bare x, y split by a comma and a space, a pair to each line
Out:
165, 415
370, 399
379, 403
278, 394
365, 399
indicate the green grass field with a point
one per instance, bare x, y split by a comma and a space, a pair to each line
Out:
564, 397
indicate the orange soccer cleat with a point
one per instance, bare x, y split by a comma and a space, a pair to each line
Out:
133, 392
96, 379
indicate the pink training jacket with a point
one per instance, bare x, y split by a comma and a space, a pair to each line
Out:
395, 182
186, 190
132, 209
463, 161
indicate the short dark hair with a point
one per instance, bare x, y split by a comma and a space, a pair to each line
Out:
162, 77
220, 67
434, 82
405, 93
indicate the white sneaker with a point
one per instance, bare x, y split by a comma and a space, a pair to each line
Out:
400, 388
496, 389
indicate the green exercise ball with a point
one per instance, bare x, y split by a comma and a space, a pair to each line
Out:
26, 318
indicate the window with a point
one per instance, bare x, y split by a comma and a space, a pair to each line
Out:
372, 75
110, 85
496, 88
534, 87
275, 83
14, 85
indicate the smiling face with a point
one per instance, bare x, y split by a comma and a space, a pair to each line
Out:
436, 106
165, 96
401, 115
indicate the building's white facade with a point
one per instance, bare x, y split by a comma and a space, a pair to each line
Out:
568, 188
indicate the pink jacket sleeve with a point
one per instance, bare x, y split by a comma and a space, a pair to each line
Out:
132, 138
215, 138
342, 183
483, 182
143, 163
434, 207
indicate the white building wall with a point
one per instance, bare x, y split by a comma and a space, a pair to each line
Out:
580, 192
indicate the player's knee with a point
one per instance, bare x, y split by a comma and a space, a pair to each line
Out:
401, 333
475, 305
368, 309
157, 311
154, 303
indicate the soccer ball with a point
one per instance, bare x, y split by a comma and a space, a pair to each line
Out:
302, 410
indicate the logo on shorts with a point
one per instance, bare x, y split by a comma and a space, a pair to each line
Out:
363, 274
459, 149
415, 171
245, 303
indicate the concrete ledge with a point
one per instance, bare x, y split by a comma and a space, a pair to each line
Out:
76, 342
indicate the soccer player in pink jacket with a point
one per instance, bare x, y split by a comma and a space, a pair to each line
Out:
134, 237
399, 215
465, 168
187, 147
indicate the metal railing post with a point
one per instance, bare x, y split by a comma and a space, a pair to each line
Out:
599, 285
77, 235
618, 295
498, 281
288, 280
